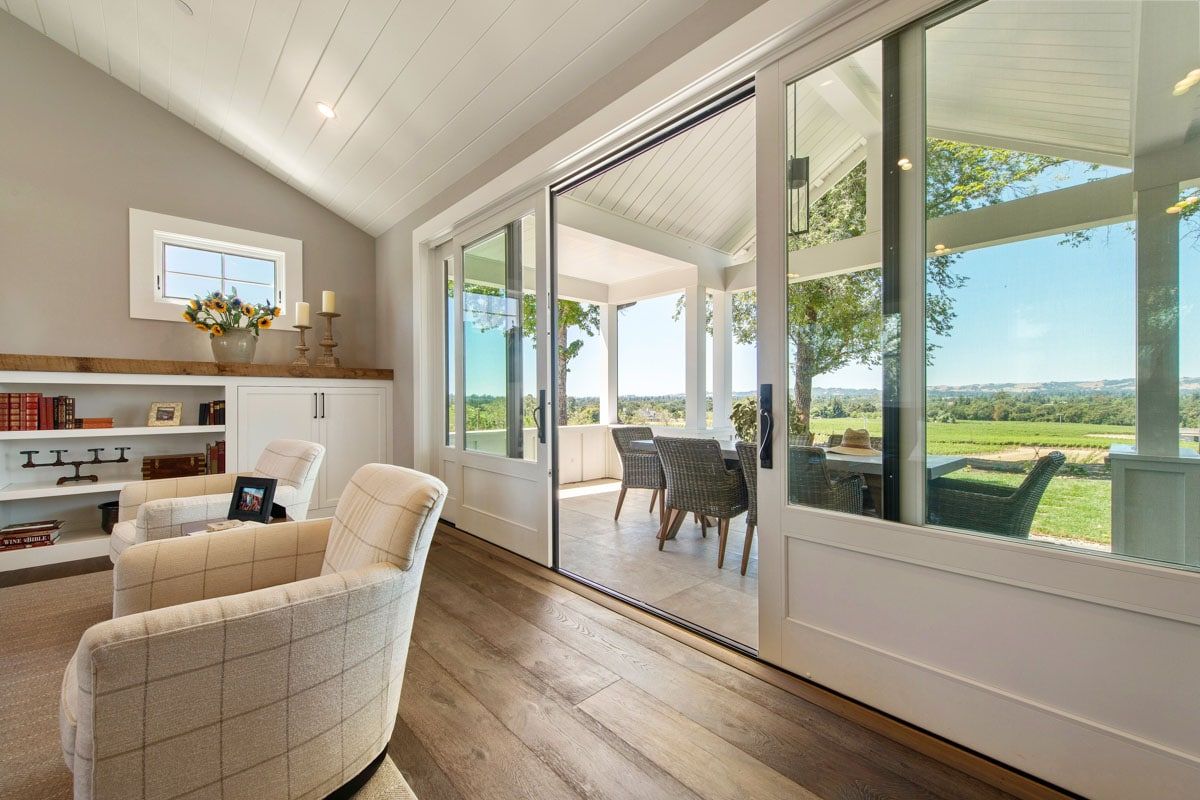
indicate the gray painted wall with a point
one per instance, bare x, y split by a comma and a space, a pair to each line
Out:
77, 150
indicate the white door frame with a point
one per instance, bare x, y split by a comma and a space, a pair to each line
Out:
503, 500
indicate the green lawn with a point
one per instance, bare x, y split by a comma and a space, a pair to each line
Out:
970, 436
1072, 508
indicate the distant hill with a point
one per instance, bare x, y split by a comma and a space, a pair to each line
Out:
1118, 386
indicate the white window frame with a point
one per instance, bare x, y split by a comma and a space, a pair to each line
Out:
150, 231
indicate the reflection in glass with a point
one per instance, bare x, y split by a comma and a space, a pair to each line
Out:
499, 368
835, 291
1061, 276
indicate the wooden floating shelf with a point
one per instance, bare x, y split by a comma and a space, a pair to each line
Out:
71, 546
90, 433
138, 366
48, 488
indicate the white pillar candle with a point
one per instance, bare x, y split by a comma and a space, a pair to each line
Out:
301, 313
328, 302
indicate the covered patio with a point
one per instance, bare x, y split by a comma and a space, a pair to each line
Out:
680, 220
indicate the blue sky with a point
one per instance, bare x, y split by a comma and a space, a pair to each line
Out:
1035, 310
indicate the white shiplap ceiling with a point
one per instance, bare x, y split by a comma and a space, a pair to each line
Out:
424, 90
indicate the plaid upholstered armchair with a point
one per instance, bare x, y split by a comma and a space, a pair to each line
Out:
261, 664
150, 510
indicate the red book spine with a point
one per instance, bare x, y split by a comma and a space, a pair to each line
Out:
46, 414
4, 411
32, 401
221, 457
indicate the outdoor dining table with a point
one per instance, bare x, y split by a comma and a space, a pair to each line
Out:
935, 466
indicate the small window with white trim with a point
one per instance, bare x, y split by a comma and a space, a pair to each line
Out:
173, 259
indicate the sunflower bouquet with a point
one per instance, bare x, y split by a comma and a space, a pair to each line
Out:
217, 313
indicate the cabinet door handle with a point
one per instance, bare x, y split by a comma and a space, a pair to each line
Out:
314, 405
322, 405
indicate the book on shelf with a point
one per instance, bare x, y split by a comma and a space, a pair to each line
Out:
46, 414
21, 535
95, 422
214, 458
20, 528
42, 539
211, 413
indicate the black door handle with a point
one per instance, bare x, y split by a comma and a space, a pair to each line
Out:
766, 426
539, 414
314, 405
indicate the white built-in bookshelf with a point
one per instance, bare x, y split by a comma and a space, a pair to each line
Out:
34, 494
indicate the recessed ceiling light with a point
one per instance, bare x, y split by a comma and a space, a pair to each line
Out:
326, 110
184, 7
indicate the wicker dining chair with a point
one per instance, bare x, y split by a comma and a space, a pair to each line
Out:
698, 482
988, 508
639, 469
809, 483
748, 458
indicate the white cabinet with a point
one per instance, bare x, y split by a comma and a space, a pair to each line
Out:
355, 433
266, 413
350, 421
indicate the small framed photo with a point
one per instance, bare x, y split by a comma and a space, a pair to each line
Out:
252, 499
165, 415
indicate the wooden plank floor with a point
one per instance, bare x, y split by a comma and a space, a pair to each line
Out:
520, 688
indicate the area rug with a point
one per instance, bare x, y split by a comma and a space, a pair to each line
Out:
40, 626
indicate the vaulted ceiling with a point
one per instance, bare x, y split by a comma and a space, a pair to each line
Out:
424, 90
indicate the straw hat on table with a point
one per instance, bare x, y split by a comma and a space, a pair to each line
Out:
855, 442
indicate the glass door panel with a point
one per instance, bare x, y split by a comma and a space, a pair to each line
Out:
499, 327
834, 286
496, 455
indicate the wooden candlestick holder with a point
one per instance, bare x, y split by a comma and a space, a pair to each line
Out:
302, 348
327, 358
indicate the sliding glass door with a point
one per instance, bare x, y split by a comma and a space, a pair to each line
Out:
496, 456
977, 281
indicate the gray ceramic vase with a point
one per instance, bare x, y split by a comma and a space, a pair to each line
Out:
235, 347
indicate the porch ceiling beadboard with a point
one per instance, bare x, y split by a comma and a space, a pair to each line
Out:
424, 91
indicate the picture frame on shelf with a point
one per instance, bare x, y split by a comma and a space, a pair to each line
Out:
165, 415
252, 499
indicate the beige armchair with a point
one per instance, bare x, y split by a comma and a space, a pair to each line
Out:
150, 510
262, 664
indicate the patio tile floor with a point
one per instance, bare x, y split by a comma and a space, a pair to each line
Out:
683, 578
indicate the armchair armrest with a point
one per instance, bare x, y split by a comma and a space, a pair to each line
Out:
165, 518
138, 492
167, 572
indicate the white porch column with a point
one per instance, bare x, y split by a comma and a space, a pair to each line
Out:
695, 326
722, 360
608, 383
1157, 322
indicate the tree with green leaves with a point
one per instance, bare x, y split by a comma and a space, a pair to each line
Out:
483, 312
837, 321
583, 317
